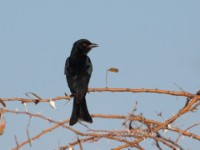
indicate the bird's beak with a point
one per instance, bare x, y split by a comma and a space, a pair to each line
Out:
93, 45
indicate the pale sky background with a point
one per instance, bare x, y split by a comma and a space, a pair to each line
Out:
153, 43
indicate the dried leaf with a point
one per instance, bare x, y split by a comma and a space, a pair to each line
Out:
52, 104
165, 131
27, 94
25, 107
194, 110
36, 101
71, 148
36, 95
2, 102
2, 124
169, 126
113, 70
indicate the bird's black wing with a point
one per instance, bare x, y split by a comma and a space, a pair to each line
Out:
78, 78
68, 71
82, 77
87, 70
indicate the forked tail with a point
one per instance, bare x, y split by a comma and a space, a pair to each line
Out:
80, 111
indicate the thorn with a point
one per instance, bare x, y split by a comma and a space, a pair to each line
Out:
52, 103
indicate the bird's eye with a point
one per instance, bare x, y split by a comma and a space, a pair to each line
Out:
84, 45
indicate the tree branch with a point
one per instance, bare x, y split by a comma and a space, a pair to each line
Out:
131, 137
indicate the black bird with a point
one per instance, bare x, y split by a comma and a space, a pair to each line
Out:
78, 70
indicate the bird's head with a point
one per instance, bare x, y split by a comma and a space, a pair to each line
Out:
83, 46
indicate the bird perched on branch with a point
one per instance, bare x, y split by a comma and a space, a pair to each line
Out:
78, 70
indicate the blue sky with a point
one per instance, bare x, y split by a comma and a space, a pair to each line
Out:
153, 43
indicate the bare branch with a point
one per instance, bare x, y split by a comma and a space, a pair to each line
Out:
132, 136
66, 97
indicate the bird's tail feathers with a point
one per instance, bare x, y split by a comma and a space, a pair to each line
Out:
84, 114
80, 111
75, 113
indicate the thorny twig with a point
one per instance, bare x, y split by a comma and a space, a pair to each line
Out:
131, 137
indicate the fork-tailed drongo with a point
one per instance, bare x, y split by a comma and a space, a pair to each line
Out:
78, 70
